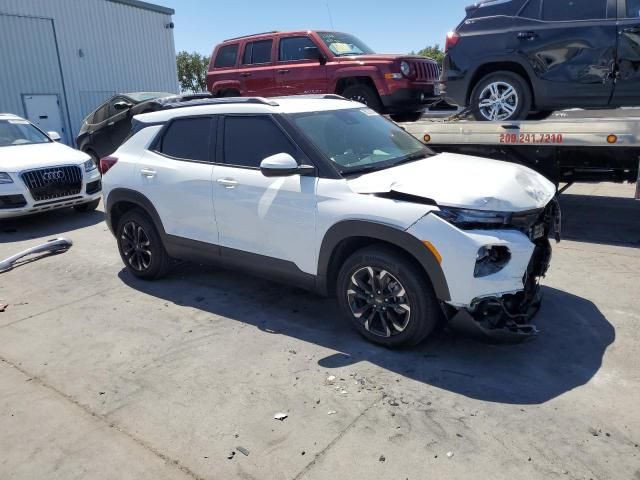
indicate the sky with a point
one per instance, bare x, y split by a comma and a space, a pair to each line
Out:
201, 24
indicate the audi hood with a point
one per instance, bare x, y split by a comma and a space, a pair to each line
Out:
462, 181
16, 158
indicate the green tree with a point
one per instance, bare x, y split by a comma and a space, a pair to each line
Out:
434, 52
192, 71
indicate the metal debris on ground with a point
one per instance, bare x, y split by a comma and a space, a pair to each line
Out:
243, 451
231, 455
3, 306
449, 454
280, 416
382, 458
331, 412
331, 379
58, 245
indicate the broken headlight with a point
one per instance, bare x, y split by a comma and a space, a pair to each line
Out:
490, 260
466, 218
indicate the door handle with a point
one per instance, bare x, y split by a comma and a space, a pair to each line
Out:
246, 74
110, 124
227, 182
527, 35
148, 172
282, 71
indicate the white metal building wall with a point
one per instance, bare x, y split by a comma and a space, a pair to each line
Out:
103, 47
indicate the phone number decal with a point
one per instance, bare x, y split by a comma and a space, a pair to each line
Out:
514, 138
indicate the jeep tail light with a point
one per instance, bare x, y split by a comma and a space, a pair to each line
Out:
452, 40
106, 163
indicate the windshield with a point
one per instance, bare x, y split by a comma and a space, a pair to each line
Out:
359, 140
343, 44
20, 132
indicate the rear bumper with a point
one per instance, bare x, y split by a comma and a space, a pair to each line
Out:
410, 99
455, 88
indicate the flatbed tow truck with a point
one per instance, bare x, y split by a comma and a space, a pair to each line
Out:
565, 150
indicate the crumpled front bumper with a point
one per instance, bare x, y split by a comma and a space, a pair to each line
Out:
497, 307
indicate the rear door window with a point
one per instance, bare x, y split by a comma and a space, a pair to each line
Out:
188, 139
292, 48
257, 52
249, 140
633, 9
532, 10
226, 56
572, 10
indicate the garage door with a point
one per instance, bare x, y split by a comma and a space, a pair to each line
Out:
29, 64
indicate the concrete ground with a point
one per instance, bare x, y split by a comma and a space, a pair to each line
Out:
106, 377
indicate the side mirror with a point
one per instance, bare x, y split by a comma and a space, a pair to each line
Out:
55, 136
314, 53
122, 105
283, 165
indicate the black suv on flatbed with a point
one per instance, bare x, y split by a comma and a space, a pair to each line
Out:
511, 58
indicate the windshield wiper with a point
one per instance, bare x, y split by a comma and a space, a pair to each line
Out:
387, 164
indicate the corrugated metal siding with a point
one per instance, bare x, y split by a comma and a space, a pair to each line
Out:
26, 72
124, 49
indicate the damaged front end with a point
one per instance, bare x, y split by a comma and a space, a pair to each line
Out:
506, 318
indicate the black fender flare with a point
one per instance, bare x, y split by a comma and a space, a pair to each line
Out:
118, 195
360, 228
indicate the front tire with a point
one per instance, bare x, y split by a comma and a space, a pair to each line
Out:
364, 94
501, 96
386, 298
141, 247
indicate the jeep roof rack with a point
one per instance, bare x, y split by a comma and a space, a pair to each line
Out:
252, 35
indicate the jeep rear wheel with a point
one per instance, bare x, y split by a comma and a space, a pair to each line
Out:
363, 94
387, 298
501, 96
141, 247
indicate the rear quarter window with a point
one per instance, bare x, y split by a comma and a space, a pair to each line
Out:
492, 8
187, 139
226, 56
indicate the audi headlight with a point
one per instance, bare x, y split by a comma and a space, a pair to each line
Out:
5, 178
405, 68
467, 218
89, 166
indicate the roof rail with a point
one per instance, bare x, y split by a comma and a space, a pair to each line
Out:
318, 96
216, 101
252, 35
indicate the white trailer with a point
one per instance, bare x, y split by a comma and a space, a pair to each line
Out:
564, 150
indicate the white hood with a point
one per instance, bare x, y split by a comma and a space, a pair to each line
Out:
463, 181
16, 158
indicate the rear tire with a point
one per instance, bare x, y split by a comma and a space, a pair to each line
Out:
501, 96
406, 117
386, 298
364, 94
87, 207
141, 247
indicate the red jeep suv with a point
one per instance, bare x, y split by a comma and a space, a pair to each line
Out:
314, 62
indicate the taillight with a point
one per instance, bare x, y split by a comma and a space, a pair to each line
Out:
452, 40
106, 163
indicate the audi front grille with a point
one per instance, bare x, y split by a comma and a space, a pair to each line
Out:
52, 183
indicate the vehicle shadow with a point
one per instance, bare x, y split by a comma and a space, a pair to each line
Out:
47, 224
603, 220
567, 354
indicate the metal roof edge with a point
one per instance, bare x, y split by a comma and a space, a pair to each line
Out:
146, 6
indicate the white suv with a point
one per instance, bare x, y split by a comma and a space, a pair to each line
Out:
38, 174
326, 194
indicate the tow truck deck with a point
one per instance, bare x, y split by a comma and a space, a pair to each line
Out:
565, 150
